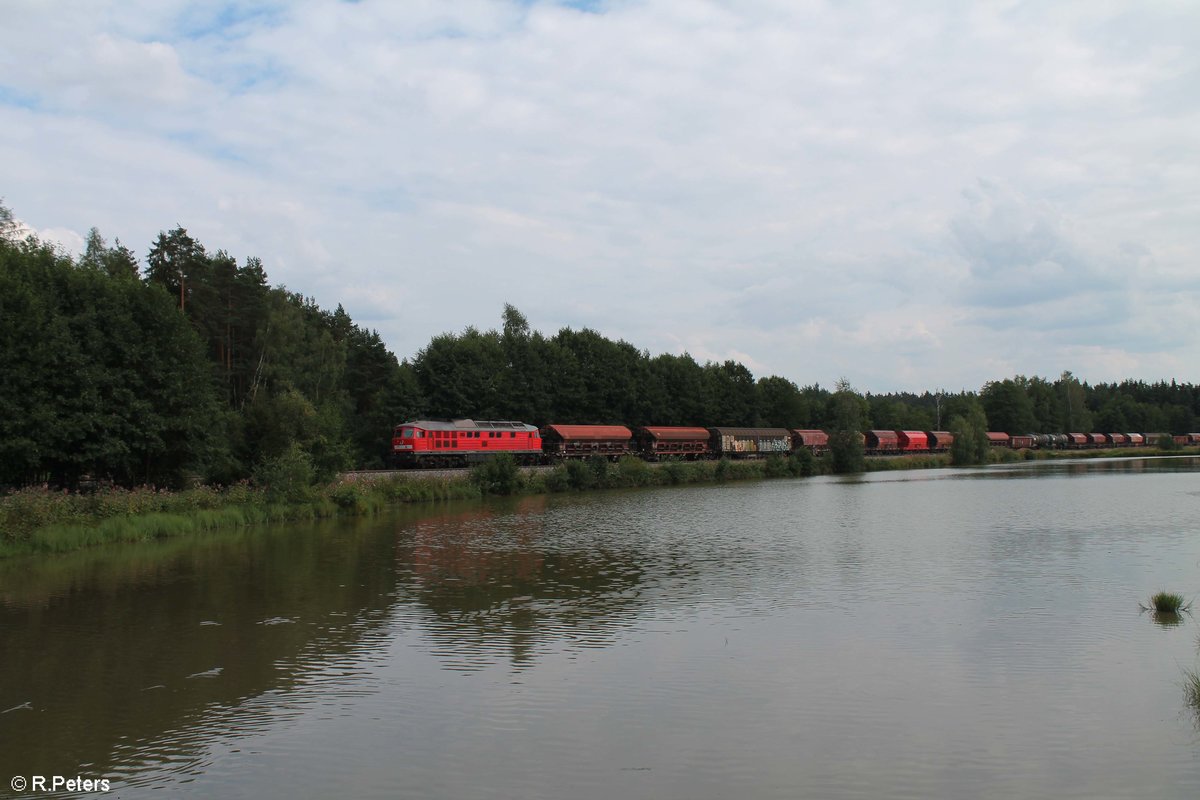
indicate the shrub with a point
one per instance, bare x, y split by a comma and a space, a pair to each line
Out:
599, 465
288, 477
558, 479
347, 495
632, 471
580, 475
721, 473
498, 475
802, 463
777, 466
676, 472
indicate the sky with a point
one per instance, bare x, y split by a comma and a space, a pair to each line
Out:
909, 195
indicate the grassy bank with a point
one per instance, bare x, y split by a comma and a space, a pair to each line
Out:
38, 520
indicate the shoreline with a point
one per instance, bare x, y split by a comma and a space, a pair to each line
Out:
37, 521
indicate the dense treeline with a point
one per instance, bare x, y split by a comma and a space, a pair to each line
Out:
193, 367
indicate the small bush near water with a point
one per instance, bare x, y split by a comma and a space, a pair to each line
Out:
499, 475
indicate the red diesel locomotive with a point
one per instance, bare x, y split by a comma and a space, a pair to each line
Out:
428, 443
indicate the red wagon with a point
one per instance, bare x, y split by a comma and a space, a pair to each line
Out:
581, 441
656, 442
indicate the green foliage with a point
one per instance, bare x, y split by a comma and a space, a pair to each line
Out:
1169, 602
558, 479
1008, 407
1191, 689
1168, 444
599, 465
498, 475
676, 472
781, 404
777, 466
970, 444
102, 377
288, 477
802, 463
633, 471
847, 414
580, 475
722, 470
349, 496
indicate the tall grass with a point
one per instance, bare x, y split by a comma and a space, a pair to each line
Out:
1169, 603
40, 520
1191, 688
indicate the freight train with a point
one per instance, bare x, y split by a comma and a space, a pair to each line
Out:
462, 442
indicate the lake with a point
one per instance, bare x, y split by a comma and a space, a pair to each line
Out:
941, 633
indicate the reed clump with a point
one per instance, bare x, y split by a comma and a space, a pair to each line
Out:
1191, 688
1165, 602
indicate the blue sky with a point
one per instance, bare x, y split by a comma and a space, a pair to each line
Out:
911, 195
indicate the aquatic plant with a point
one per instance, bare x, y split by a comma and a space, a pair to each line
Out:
1191, 688
1168, 603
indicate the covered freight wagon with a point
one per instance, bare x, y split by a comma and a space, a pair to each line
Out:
581, 441
1022, 441
999, 439
659, 442
816, 441
940, 441
750, 442
913, 441
882, 442
1076, 440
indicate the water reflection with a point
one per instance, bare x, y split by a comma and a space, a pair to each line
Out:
104, 652
492, 581
1167, 619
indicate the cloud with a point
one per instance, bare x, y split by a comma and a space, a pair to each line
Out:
1021, 253
797, 183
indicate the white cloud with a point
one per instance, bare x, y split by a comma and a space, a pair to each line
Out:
777, 182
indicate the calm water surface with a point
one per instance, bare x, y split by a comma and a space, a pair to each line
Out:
946, 633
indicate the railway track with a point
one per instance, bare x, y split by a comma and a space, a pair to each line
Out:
353, 476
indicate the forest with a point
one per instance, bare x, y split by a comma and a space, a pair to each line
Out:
190, 367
